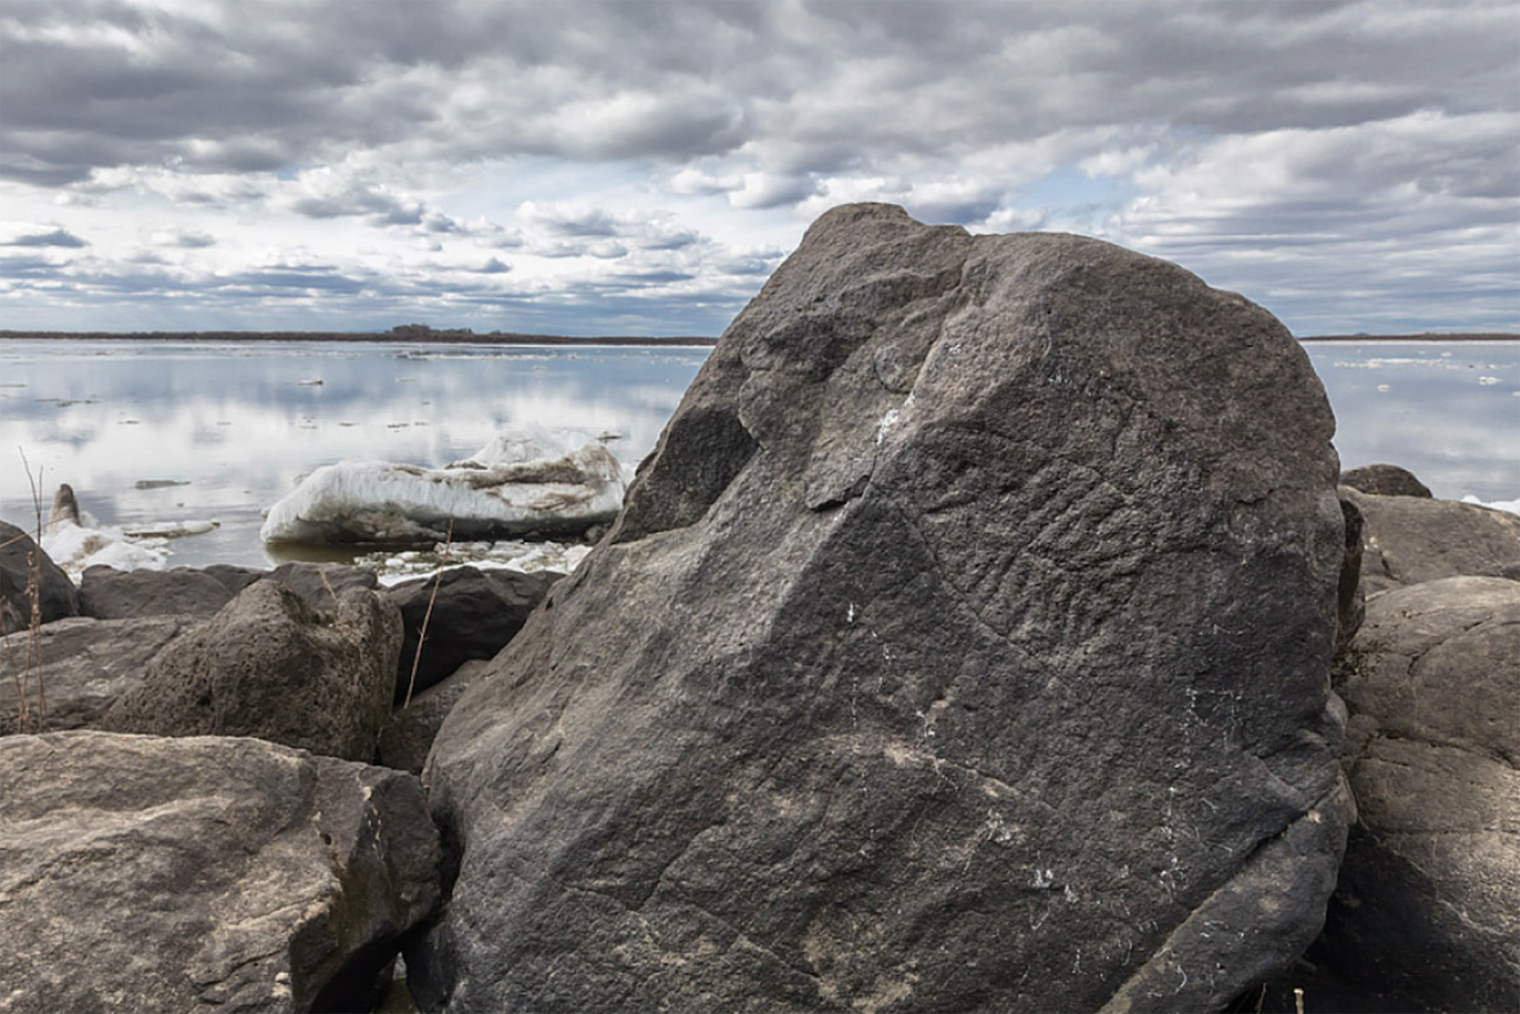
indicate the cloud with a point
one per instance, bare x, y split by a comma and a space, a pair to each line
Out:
189, 239
1285, 149
40, 236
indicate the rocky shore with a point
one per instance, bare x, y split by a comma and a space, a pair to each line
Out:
992, 629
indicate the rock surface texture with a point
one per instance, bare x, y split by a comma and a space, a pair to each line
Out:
57, 598
963, 645
409, 735
1427, 912
1411, 539
110, 594
1385, 480
204, 874
469, 613
86, 665
271, 666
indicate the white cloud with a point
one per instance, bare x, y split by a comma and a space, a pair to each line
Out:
1333, 160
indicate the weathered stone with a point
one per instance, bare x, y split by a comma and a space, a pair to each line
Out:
321, 584
1385, 480
409, 734
268, 665
1410, 539
57, 598
963, 645
86, 666
110, 594
469, 613
235, 578
203, 874
1351, 597
1426, 915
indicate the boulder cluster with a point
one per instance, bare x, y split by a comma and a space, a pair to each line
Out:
992, 629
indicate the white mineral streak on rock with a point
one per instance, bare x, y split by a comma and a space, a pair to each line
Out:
539, 482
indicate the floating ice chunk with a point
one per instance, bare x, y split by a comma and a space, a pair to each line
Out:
527, 445
75, 540
393, 568
169, 529
1513, 506
541, 483
75, 548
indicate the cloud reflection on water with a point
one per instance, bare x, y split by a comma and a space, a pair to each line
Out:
241, 423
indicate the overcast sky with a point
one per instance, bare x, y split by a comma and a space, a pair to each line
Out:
640, 168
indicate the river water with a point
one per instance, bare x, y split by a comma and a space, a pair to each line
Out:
151, 432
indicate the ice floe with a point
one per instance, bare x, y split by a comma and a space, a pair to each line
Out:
74, 540
1513, 506
508, 554
536, 482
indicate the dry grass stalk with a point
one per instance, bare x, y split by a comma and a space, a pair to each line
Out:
322, 573
427, 615
30, 666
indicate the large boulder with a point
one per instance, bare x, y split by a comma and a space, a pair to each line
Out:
1385, 480
321, 584
1426, 916
271, 666
110, 594
1411, 539
76, 669
963, 645
23, 568
204, 874
468, 614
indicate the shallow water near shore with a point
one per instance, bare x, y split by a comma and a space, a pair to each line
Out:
154, 432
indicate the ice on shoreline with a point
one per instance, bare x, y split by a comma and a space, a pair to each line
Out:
1513, 506
536, 482
75, 539
512, 554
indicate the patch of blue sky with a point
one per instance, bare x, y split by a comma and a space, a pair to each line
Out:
1074, 200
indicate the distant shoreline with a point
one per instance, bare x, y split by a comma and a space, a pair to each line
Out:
505, 338
1497, 336
372, 337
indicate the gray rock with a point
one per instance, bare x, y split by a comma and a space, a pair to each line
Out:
409, 734
87, 665
470, 614
963, 645
268, 665
1409, 539
1351, 597
1385, 480
57, 598
203, 874
110, 594
1426, 915
321, 584
235, 578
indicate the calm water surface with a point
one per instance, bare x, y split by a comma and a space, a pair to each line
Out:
235, 425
